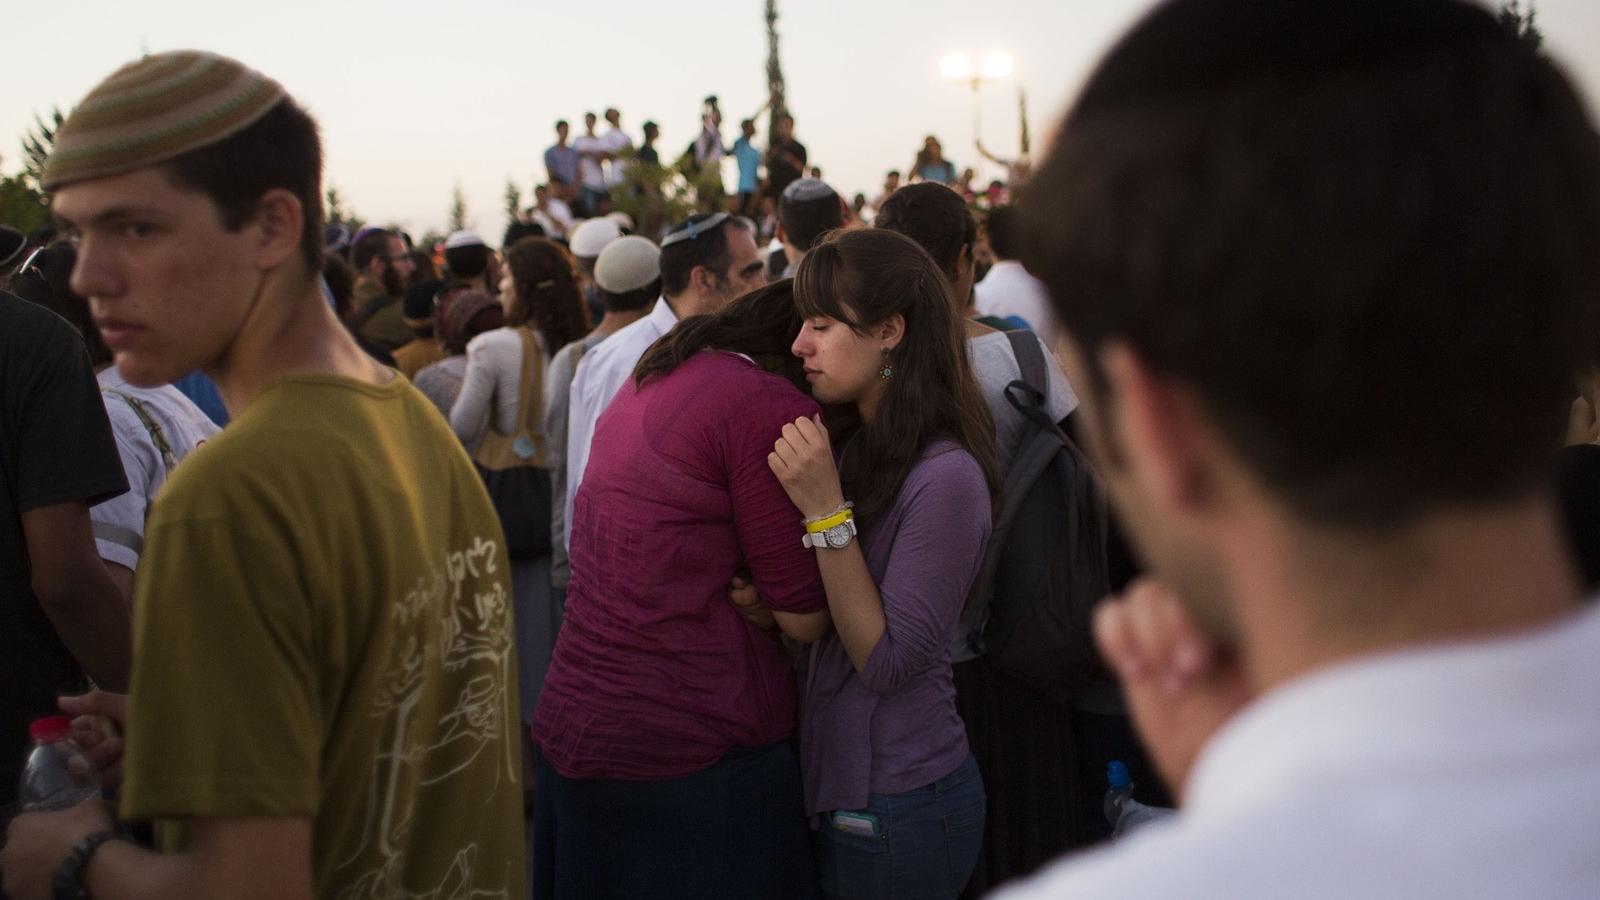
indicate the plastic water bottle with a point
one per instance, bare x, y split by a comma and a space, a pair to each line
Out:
1122, 811
56, 775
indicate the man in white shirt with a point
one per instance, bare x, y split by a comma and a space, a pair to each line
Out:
706, 262
593, 198
1008, 290
616, 142
1362, 662
550, 212
155, 427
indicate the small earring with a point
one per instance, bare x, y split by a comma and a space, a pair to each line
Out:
887, 372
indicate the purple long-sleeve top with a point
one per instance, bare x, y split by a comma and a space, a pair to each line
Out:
893, 727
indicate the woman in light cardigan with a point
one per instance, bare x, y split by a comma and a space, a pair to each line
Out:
539, 291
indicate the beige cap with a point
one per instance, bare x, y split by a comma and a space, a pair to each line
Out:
627, 264
153, 110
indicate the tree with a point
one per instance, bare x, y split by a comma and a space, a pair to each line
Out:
22, 207
458, 209
338, 214
513, 197
1522, 24
36, 147
654, 195
775, 99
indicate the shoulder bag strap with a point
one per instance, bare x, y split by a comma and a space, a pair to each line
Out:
530, 387
157, 436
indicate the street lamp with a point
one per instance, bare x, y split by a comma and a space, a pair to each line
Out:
962, 67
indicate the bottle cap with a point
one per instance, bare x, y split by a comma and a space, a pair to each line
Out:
50, 728
1117, 775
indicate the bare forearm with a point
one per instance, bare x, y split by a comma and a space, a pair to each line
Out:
123, 871
91, 618
853, 601
122, 577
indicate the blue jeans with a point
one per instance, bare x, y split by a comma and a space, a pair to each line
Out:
922, 844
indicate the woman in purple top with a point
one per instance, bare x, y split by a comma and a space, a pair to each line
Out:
665, 764
888, 775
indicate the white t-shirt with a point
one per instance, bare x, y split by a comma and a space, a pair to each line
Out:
557, 402
119, 522
1469, 770
995, 365
601, 373
555, 218
1008, 290
590, 172
616, 140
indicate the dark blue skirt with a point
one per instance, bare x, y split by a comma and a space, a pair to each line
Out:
737, 829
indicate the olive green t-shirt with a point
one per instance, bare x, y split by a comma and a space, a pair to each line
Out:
323, 630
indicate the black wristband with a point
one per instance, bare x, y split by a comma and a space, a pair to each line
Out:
71, 881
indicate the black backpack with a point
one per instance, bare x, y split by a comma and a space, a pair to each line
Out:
1045, 566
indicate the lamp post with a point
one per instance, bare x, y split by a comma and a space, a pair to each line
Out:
962, 67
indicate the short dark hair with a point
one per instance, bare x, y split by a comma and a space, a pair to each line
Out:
805, 221
709, 250
279, 150
627, 301
1003, 226
341, 282
516, 231
1366, 233
470, 261
48, 283
372, 245
424, 269
762, 325
934, 216
562, 123
892, 173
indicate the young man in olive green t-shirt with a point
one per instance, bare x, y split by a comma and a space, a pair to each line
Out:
323, 699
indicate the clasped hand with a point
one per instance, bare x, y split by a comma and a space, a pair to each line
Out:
802, 458
1180, 686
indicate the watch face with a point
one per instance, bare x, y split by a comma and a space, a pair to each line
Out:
839, 535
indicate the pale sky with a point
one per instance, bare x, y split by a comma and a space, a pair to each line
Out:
414, 98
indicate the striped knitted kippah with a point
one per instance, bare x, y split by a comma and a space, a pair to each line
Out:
155, 109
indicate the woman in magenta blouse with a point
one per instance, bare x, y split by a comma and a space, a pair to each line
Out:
666, 767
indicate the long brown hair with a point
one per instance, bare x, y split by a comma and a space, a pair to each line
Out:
761, 324
863, 277
547, 292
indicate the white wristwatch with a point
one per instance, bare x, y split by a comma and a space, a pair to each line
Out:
836, 538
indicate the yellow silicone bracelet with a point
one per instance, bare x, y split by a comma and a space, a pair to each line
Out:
839, 518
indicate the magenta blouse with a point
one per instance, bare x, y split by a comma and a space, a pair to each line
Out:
655, 675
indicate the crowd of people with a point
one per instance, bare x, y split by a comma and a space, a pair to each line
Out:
815, 548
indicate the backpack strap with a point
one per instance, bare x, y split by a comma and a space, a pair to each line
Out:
1040, 441
372, 308
151, 426
1030, 394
